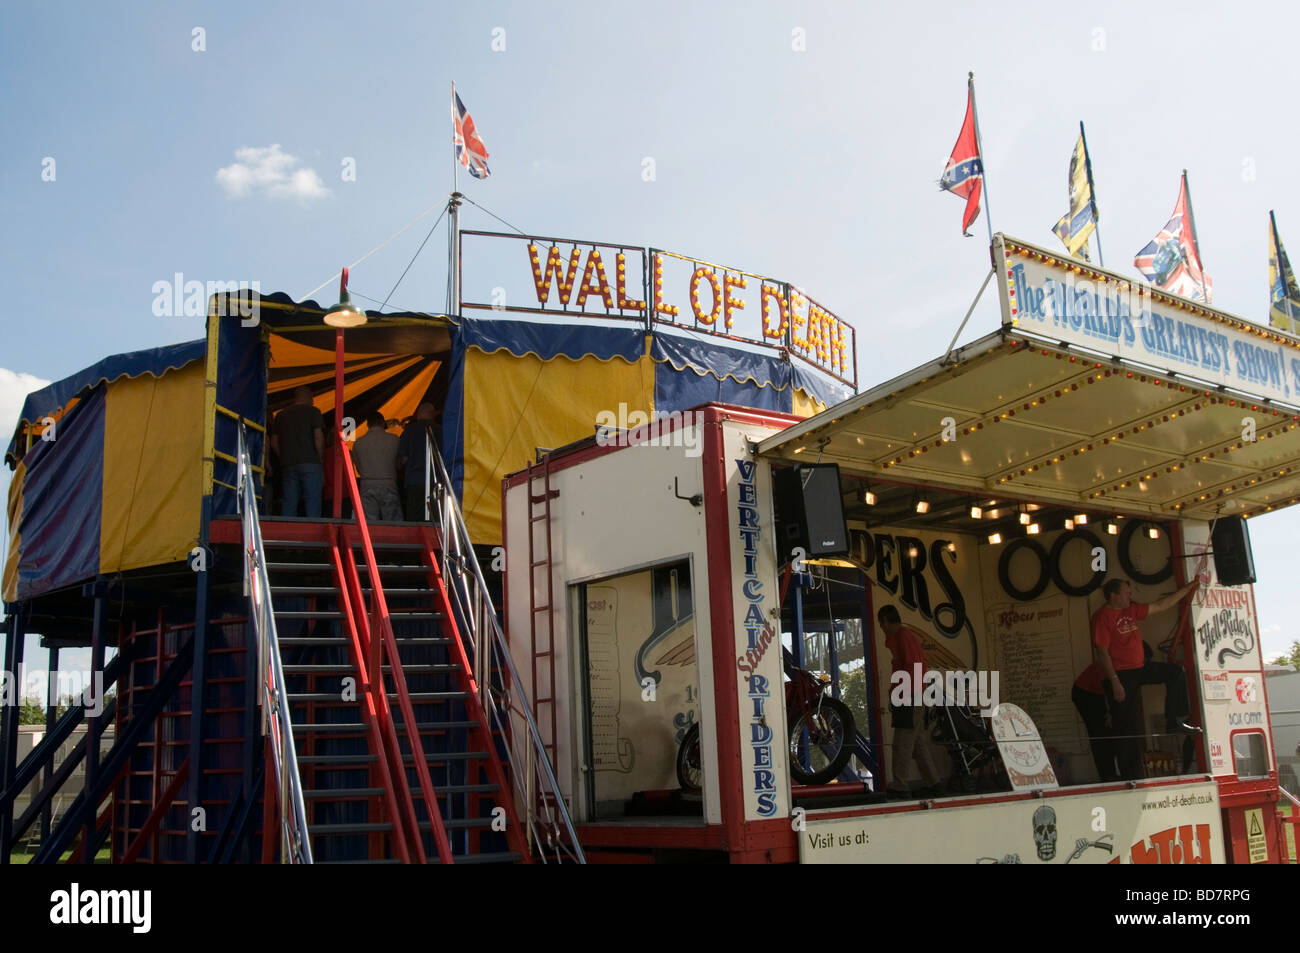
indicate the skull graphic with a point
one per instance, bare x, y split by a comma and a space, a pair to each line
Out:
1045, 832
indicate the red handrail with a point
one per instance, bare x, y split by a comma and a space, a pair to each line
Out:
383, 740
474, 703
387, 644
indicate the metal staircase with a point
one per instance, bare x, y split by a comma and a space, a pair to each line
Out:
397, 700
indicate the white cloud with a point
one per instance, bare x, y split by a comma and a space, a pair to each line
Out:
14, 388
271, 172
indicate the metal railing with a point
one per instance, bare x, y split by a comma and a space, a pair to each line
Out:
295, 847
549, 826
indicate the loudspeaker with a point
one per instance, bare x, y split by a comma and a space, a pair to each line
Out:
1230, 541
810, 510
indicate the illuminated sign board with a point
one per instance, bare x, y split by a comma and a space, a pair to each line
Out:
628, 282
1050, 294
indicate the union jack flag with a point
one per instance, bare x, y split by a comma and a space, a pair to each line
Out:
964, 174
1171, 261
470, 151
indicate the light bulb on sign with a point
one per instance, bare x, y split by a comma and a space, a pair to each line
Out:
976, 512
995, 538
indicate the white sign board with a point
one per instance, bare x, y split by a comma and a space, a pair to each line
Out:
1023, 754
1170, 824
1051, 294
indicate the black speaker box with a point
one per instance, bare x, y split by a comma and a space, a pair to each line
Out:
1230, 542
810, 510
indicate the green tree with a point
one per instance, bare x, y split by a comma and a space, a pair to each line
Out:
31, 711
1292, 658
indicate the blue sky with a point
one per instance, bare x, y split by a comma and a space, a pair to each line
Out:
818, 165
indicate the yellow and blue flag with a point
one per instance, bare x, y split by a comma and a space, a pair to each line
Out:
1283, 293
1080, 221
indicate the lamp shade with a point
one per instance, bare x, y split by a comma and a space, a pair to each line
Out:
345, 314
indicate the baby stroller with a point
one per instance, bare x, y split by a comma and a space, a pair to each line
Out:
965, 734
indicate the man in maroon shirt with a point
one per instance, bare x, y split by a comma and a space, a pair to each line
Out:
1118, 645
911, 739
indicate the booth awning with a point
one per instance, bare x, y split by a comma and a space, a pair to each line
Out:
1014, 415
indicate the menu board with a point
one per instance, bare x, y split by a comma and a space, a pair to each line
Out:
1032, 651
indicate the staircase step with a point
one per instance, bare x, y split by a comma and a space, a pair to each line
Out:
382, 860
438, 756
488, 857
399, 615
341, 794
468, 789
304, 591
394, 567
297, 567
344, 668
346, 761
308, 614
347, 727
431, 697
361, 827
465, 823
442, 726
320, 640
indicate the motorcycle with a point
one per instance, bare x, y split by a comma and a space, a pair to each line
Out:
819, 727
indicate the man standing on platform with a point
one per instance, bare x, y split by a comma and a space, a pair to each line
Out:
375, 454
1119, 649
412, 459
911, 739
298, 438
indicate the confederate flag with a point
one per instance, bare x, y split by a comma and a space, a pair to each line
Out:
964, 175
1172, 260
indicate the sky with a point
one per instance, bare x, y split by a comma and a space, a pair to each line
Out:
218, 141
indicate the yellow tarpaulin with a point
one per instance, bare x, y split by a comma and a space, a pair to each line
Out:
153, 446
513, 405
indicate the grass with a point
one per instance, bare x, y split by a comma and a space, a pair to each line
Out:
25, 857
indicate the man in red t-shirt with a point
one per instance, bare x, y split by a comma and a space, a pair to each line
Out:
1118, 644
911, 740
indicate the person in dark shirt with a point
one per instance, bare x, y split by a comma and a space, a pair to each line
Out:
298, 438
412, 461
1090, 701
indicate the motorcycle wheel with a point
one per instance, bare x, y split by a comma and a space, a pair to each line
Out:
689, 774
830, 743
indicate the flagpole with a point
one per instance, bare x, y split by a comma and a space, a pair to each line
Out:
1281, 275
1092, 192
1196, 240
455, 173
979, 144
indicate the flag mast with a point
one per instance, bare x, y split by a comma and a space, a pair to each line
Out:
1191, 219
1281, 274
979, 144
453, 219
1092, 196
